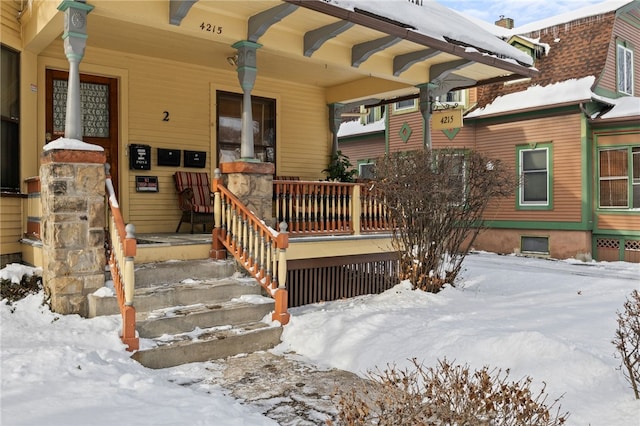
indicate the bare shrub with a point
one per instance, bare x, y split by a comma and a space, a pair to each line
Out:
627, 341
436, 199
447, 395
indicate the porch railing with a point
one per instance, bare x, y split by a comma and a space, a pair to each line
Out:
259, 248
329, 208
122, 252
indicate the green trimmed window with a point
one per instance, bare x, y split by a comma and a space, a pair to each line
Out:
534, 169
619, 177
624, 68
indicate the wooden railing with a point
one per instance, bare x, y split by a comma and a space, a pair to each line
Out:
122, 252
259, 248
328, 208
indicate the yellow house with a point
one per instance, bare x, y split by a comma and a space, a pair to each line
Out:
170, 86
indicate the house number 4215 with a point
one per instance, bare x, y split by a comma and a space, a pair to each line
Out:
211, 28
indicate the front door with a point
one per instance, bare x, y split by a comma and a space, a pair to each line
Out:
99, 103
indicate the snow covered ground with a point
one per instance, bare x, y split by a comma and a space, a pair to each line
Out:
551, 320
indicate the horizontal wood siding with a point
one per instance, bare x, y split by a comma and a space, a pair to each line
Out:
10, 27
619, 222
185, 91
563, 132
10, 224
396, 122
363, 150
627, 32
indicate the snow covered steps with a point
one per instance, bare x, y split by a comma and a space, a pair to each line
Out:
205, 312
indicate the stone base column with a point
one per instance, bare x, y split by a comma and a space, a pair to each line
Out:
73, 222
252, 183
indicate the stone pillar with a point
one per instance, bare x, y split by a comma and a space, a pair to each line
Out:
73, 222
252, 183
75, 40
247, 70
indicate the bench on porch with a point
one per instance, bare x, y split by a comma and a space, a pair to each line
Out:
194, 198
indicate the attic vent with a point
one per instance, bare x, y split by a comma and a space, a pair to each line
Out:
382, 18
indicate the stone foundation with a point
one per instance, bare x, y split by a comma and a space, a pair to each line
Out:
73, 223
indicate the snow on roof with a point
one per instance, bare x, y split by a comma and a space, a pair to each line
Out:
439, 22
627, 106
355, 127
574, 15
573, 90
73, 144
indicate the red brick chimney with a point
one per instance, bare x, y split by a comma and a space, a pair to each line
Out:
504, 22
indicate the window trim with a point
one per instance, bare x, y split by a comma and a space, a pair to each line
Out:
624, 48
520, 203
630, 178
13, 173
403, 110
364, 163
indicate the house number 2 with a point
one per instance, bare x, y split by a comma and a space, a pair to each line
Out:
165, 115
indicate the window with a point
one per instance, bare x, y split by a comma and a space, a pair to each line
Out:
538, 245
405, 106
456, 97
454, 165
619, 176
625, 70
534, 165
229, 128
9, 120
366, 170
372, 114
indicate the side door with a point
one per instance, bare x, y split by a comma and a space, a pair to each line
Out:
99, 101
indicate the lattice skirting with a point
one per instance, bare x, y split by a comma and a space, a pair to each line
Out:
609, 249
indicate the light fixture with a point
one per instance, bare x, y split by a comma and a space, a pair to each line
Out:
233, 60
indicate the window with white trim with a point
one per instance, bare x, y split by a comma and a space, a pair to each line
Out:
624, 69
406, 105
535, 178
619, 177
366, 170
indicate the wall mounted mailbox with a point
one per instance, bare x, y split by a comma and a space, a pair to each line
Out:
195, 159
139, 157
169, 157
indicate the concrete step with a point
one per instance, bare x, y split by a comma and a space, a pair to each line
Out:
180, 319
155, 273
208, 344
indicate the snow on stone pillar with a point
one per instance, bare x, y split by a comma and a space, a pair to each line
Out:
247, 76
75, 40
73, 220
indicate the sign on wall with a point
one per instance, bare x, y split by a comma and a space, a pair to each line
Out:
446, 119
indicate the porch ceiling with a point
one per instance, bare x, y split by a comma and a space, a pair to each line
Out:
353, 55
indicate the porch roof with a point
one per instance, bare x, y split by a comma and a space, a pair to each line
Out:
342, 46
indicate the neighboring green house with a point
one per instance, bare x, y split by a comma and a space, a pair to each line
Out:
572, 133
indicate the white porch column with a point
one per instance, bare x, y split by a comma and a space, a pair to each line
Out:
75, 40
247, 76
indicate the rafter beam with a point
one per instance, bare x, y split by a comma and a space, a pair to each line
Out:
260, 23
438, 72
178, 9
401, 63
361, 52
314, 39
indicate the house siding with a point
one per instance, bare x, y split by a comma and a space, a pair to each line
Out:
363, 150
499, 140
9, 25
11, 224
187, 92
624, 31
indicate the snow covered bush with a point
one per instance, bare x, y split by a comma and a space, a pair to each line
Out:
436, 199
17, 281
447, 395
627, 341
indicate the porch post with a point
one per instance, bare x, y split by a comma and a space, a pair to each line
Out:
426, 91
75, 40
335, 119
247, 76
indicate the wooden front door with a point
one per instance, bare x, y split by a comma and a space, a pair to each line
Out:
99, 103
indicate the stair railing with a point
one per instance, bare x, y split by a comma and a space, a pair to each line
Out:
122, 252
260, 249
